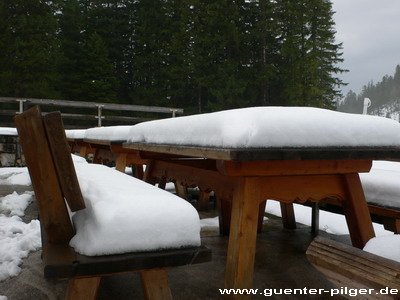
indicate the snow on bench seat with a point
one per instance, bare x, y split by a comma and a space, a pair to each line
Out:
382, 184
270, 127
124, 214
385, 246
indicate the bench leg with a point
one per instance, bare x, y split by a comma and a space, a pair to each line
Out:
181, 191
138, 171
82, 288
155, 284
288, 216
392, 224
204, 199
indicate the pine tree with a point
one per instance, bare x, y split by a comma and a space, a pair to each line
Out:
72, 25
261, 31
308, 54
96, 76
149, 61
29, 48
112, 21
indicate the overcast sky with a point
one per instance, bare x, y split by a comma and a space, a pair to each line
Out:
370, 32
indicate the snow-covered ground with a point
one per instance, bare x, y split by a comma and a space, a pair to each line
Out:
253, 127
17, 238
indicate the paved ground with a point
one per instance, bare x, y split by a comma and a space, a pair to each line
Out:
280, 263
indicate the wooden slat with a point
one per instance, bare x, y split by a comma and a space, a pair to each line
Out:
155, 284
61, 262
297, 167
352, 267
257, 154
63, 161
53, 212
83, 288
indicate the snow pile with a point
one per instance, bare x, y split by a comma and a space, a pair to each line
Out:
17, 238
386, 246
209, 223
270, 127
14, 176
15, 204
125, 214
382, 184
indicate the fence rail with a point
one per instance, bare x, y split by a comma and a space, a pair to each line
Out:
99, 108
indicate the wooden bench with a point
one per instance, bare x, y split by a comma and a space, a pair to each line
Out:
54, 179
347, 266
389, 217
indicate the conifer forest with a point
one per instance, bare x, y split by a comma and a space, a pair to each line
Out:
199, 55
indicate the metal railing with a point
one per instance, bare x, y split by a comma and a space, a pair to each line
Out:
23, 103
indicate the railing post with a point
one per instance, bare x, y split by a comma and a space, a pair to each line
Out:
173, 112
99, 112
21, 105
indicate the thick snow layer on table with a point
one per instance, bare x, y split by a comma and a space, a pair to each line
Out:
386, 246
124, 214
75, 133
259, 127
8, 131
382, 184
108, 133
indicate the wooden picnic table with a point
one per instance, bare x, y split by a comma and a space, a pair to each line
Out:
109, 151
248, 177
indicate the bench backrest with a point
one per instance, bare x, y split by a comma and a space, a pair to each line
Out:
52, 172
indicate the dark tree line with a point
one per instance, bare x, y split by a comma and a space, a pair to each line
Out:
197, 54
384, 92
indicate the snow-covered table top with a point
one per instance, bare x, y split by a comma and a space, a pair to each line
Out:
77, 134
8, 131
301, 131
109, 133
105, 134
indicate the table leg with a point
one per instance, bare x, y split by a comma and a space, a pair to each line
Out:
242, 237
356, 210
121, 162
288, 216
